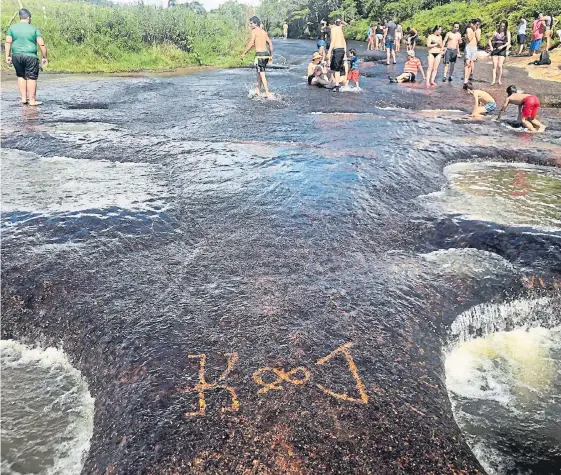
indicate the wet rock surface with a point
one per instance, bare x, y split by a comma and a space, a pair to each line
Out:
242, 284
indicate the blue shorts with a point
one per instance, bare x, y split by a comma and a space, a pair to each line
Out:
320, 43
536, 45
390, 44
490, 106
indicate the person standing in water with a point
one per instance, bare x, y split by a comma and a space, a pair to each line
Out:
21, 44
322, 39
435, 46
499, 44
285, 30
398, 37
473, 36
260, 40
337, 52
528, 106
389, 40
452, 42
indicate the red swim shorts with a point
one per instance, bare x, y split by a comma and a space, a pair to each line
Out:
530, 106
353, 75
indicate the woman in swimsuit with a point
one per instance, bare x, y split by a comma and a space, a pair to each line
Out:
379, 37
550, 22
499, 43
436, 48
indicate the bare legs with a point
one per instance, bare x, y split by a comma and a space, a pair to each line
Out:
22, 86
262, 80
449, 74
388, 50
28, 91
469, 69
532, 124
501, 61
432, 69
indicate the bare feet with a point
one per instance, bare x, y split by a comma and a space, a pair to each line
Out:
542, 128
35, 103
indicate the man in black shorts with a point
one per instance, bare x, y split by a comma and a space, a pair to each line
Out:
263, 53
337, 52
22, 40
452, 42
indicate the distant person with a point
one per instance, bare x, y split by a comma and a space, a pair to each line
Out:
473, 36
317, 73
379, 37
528, 106
452, 42
22, 40
322, 39
538, 30
435, 46
371, 37
337, 52
398, 37
285, 30
499, 42
521, 34
550, 22
410, 68
263, 52
412, 37
354, 74
389, 41
484, 102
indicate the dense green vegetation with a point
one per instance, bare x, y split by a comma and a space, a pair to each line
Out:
304, 15
87, 37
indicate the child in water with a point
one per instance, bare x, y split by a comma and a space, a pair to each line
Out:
484, 102
353, 74
528, 106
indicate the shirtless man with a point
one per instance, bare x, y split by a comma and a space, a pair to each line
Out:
473, 35
263, 55
452, 42
528, 106
336, 53
484, 102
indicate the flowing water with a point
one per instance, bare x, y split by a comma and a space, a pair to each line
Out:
267, 286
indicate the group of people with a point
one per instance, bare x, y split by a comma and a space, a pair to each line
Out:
542, 29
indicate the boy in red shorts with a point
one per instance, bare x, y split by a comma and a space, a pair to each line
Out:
528, 106
353, 73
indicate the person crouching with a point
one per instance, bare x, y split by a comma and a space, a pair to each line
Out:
317, 74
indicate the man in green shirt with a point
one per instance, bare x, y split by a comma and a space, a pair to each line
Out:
22, 40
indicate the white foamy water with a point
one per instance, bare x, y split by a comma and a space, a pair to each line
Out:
505, 385
467, 261
47, 412
512, 194
60, 184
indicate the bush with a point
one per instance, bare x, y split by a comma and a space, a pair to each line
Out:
82, 37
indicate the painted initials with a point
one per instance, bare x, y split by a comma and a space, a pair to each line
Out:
344, 350
203, 386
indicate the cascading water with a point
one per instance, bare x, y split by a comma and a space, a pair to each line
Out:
504, 384
47, 412
255, 286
